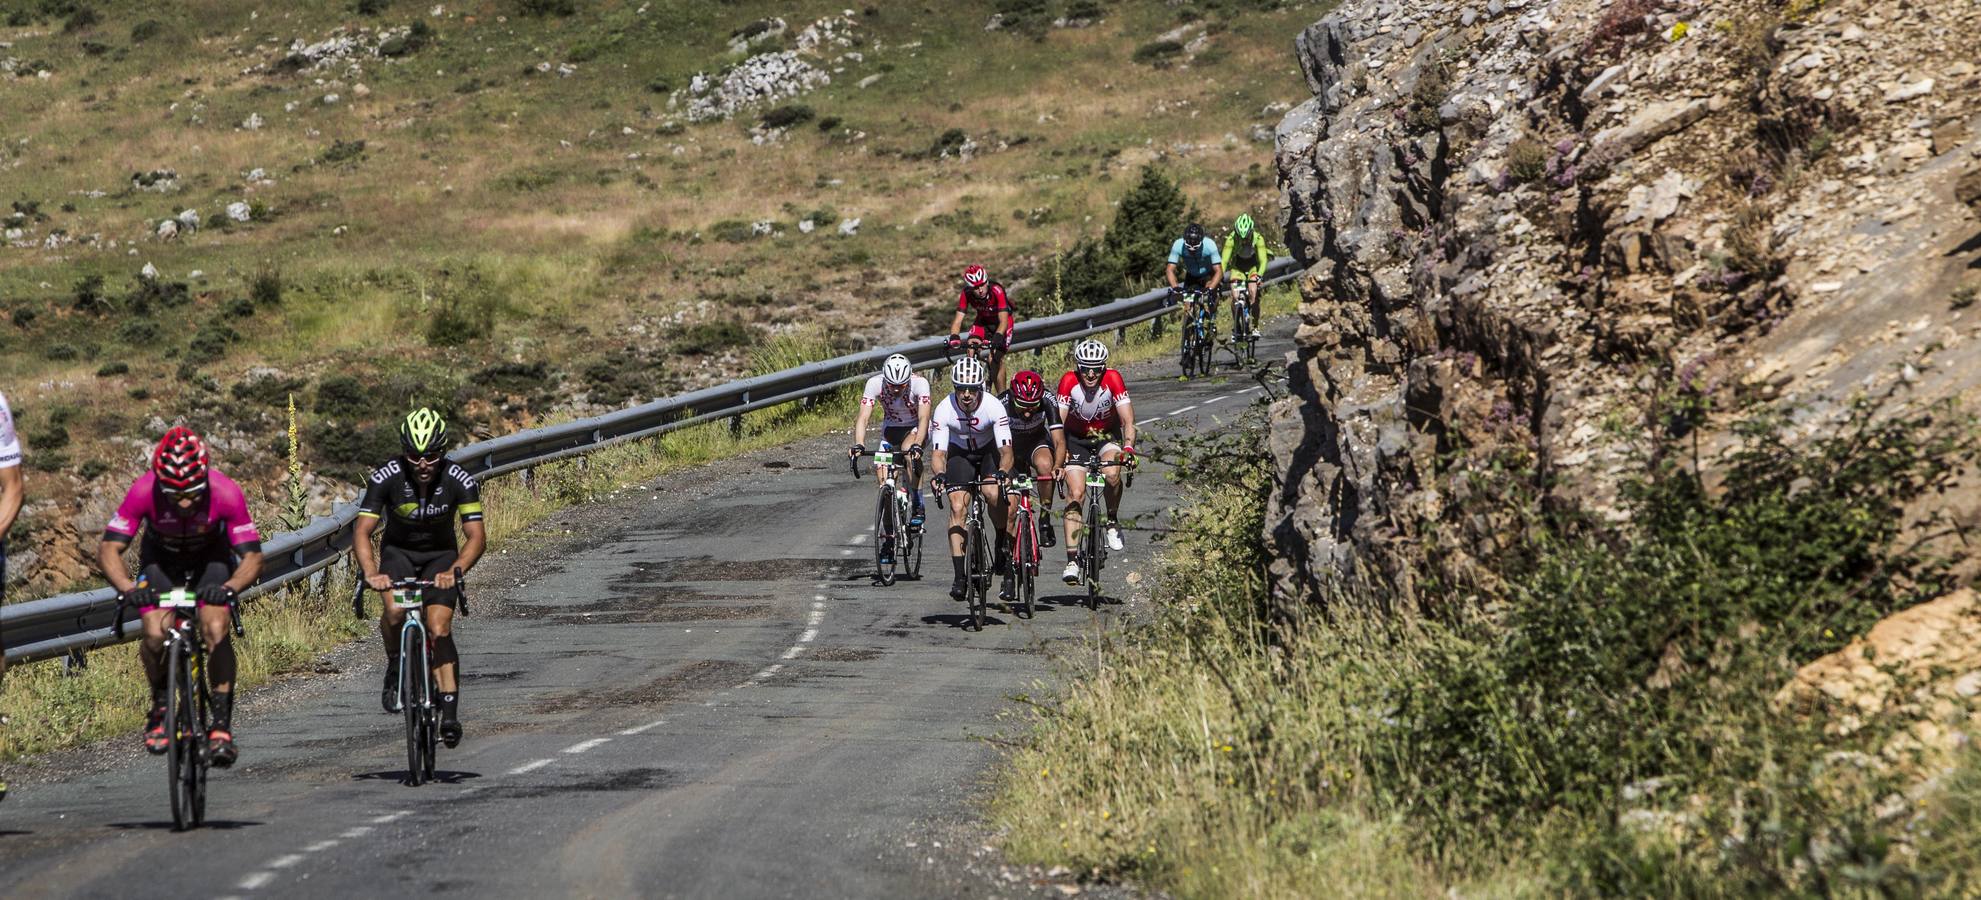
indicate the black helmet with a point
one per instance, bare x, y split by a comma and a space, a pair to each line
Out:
1193, 235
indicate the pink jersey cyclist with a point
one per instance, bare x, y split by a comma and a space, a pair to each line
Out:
182, 543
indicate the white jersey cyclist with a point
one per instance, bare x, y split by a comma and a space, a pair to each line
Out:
900, 408
959, 431
10, 442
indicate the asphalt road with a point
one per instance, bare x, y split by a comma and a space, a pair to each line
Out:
696, 692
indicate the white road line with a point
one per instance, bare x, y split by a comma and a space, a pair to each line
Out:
640, 729
392, 817
582, 746
321, 846
768, 671
792, 652
1186, 409
255, 881
846, 552
356, 832
1252, 390
283, 862
1215, 399
529, 767
857, 540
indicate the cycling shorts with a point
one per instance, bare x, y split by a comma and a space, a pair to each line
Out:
966, 466
1084, 452
1024, 444
896, 436
197, 574
982, 333
398, 563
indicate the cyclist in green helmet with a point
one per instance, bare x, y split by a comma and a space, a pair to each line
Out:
419, 493
1245, 258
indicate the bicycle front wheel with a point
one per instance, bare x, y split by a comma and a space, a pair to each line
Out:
884, 534
412, 700
975, 558
1026, 562
179, 762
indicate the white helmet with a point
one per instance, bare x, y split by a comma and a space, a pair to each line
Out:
1090, 352
896, 370
968, 372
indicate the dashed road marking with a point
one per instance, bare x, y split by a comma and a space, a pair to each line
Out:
529, 767
583, 746
356, 831
641, 729
1215, 399
391, 817
321, 846
256, 880
283, 862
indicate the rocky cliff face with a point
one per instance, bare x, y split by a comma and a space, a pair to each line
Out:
1525, 221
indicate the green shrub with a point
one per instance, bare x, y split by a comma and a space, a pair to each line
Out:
371, 7
344, 151
1157, 53
830, 122
715, 336
732, 231
416, 38
88, 295
342, 397
786, 116
23, 316
542, 8
92, 469
1526, 160
146, 30
112, 368
60, 352
265, 290
210, 343
1027, 17
81, 18
149, 294
138, 332
269, 390
344, 450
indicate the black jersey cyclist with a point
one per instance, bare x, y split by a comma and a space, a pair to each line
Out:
1038, 440
419, 494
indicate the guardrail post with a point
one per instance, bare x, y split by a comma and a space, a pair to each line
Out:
736, 427
530, 479
75, 664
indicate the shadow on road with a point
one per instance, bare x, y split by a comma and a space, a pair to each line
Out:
442, 776
961, 620
214, 824
7, 834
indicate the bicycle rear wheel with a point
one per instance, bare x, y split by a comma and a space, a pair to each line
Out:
1093, 546
430, 733
201, 763
1244, 332
412, 699
1187, 349
179, 762
911, 558
885, 557
973, 539
1026, 563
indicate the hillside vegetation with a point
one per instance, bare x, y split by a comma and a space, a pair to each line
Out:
521, 209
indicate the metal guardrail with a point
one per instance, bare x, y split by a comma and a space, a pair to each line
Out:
73, 623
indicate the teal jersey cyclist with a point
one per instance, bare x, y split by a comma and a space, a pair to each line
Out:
1245, 259
418, 495
1194, 262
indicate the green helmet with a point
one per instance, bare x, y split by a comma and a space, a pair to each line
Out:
1243, 226
423, 432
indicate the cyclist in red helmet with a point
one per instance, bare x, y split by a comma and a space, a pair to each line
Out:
986, 301
1038, 440
196, 525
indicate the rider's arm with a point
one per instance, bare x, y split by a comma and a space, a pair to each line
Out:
1001, 435
361, 546
229, 505
249, 569
117, 535
476, 534
1217, 275
472, 526
922, 410
860, 422
1170, 273
11, 494
110, 558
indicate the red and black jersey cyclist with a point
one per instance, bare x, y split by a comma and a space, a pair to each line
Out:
197, 535
1037, 439
1100, 427
993, 320
419, 494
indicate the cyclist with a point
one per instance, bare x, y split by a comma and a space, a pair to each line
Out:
11, 494
196, 524
903, 397
969, 439
418, 494
1202, 268
985, 299
1245, 258
1038, 440
1100, 426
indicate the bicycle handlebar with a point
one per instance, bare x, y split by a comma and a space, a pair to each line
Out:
358, 594
853, 459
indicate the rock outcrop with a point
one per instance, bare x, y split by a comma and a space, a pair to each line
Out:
1523, 220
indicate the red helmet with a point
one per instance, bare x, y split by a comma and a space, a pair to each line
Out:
1027, 389
976, 277
180, 461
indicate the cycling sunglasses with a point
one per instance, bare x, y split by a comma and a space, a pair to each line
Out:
428, 458
184, 493
1092, 370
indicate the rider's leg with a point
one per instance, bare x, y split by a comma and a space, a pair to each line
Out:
1113, 476
446, 659
1076, 497
151, 652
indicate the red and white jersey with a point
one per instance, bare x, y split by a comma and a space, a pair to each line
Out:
959, 431
900, 406
1087, 413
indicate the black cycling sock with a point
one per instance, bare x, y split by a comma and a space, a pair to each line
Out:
450, 704
957, 563
223, 710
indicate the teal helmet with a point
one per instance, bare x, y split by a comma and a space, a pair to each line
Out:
423, 432
1243, 227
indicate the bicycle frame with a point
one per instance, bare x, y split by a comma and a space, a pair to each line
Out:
891, 516
1025, 553
978, 557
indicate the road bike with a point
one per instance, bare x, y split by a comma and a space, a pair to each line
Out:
417, 692
1093, 546
188, 702
1199, 332
1022, 492
897, 542
979, 558
1245, 341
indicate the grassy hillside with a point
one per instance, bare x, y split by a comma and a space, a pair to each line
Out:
504, 206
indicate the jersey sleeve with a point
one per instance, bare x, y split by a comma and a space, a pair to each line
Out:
1114, 384
1230, 247
468, 504
939, 428
1053, 419
10, 440
230, 509
918, 391
1000, 301
1176, 252
1062, 397
131, 514
871, 393
373, 502
963, 302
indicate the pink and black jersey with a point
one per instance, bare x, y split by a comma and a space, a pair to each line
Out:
217, 525
1089, 413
